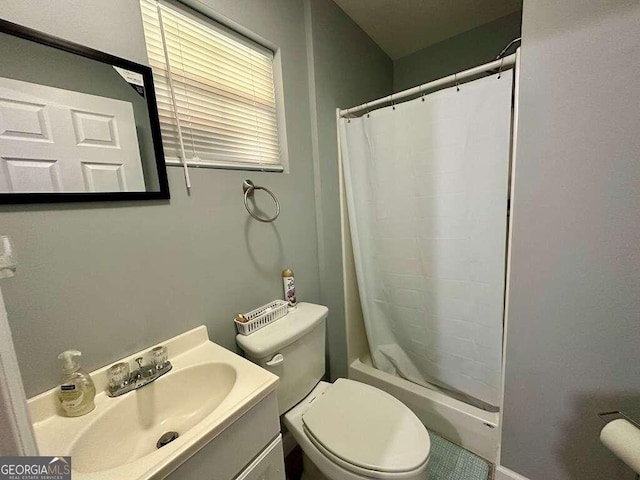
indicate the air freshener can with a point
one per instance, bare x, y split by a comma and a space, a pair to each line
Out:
289, 285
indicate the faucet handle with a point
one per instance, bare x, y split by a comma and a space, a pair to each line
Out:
159, 356
118, 375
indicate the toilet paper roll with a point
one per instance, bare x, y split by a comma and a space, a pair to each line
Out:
623, 439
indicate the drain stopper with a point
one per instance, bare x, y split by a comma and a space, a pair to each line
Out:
166, 439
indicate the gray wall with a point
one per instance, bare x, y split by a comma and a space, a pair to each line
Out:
455, 54
574, 328
346, 68
113, 278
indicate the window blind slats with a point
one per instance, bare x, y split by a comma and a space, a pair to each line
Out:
249, 155
233, 112
222, 88
195, 123
193, 44
202, 78
182, 84
212, 53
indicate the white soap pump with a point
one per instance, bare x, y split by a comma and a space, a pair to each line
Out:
77, 391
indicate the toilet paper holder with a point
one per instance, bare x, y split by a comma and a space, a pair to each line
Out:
616, 414
608, 417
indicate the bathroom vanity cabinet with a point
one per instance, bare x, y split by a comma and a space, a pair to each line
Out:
248, 449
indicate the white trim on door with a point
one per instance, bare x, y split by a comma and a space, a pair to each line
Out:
17, 434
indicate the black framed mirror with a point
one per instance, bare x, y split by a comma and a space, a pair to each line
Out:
76, 124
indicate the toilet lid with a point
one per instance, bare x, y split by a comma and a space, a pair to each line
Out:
368, 428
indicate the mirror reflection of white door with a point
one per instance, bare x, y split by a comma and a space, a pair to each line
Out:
55, 140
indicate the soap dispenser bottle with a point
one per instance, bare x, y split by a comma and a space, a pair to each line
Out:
77, 391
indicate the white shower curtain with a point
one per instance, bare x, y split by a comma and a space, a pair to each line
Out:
427, 187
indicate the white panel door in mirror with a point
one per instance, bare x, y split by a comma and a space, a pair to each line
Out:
55, 140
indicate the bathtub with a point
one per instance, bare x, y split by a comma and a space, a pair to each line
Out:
470, 427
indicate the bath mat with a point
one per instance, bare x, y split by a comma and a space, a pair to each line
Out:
450, 462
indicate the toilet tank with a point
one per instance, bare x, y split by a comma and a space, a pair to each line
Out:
292, 347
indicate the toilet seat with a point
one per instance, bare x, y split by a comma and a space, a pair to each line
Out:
366, 431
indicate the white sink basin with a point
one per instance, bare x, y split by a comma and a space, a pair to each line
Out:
174, 403
208, 388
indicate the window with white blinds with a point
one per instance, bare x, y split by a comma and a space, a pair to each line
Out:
215, 91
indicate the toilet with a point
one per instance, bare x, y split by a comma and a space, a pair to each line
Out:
347, 429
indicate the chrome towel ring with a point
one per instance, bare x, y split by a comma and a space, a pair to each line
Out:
248, 188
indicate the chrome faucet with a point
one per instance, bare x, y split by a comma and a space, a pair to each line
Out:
122, 380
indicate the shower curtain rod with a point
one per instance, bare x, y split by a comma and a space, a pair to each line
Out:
503, 64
